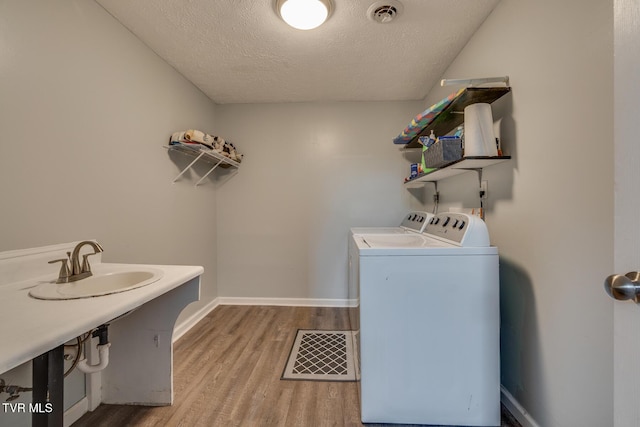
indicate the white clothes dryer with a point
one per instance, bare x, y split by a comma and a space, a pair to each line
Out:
429, 328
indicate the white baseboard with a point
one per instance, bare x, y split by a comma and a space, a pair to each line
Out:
191, 321
517, 410
296, 302
74, 413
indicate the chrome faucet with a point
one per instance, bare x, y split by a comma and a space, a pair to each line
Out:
70, 270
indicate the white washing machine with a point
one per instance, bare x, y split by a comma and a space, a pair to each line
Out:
429, 324
412, 222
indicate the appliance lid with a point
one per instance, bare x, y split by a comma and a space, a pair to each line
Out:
413, 245
414, 221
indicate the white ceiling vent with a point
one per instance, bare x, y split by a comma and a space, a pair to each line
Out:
384, 12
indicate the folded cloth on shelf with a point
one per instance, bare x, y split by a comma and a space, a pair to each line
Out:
230, 151
200, 138
176, 138
423, 119
194, 137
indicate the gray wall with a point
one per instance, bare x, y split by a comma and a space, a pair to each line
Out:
550, 209
311, 172
85, 109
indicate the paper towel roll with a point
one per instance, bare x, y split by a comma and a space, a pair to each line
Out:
479, 139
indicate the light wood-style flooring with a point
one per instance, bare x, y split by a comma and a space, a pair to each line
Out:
227, 373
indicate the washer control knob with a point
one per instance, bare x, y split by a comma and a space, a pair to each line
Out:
446, 221
461, 226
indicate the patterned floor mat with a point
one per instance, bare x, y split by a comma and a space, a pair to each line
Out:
319, 355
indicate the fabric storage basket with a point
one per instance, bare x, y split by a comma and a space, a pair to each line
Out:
444, 151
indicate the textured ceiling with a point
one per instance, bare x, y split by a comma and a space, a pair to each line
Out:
242, 52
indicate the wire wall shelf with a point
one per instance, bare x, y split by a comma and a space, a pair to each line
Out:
208, 156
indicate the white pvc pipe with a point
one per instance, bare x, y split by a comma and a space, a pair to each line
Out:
103, 353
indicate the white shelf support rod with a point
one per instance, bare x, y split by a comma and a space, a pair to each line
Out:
188, 167
479, 171
207, 174
474, 82
436, 197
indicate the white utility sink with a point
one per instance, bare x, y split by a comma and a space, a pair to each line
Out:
102, 283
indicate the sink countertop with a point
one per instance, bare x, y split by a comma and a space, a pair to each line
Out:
30, 327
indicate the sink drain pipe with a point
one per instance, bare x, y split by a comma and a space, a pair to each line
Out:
103, 351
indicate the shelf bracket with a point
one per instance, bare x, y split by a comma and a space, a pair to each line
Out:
436, 196
209, 156
479, 171
480, 192
188, 167
207, 174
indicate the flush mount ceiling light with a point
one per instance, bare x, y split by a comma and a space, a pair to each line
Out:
304, 14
